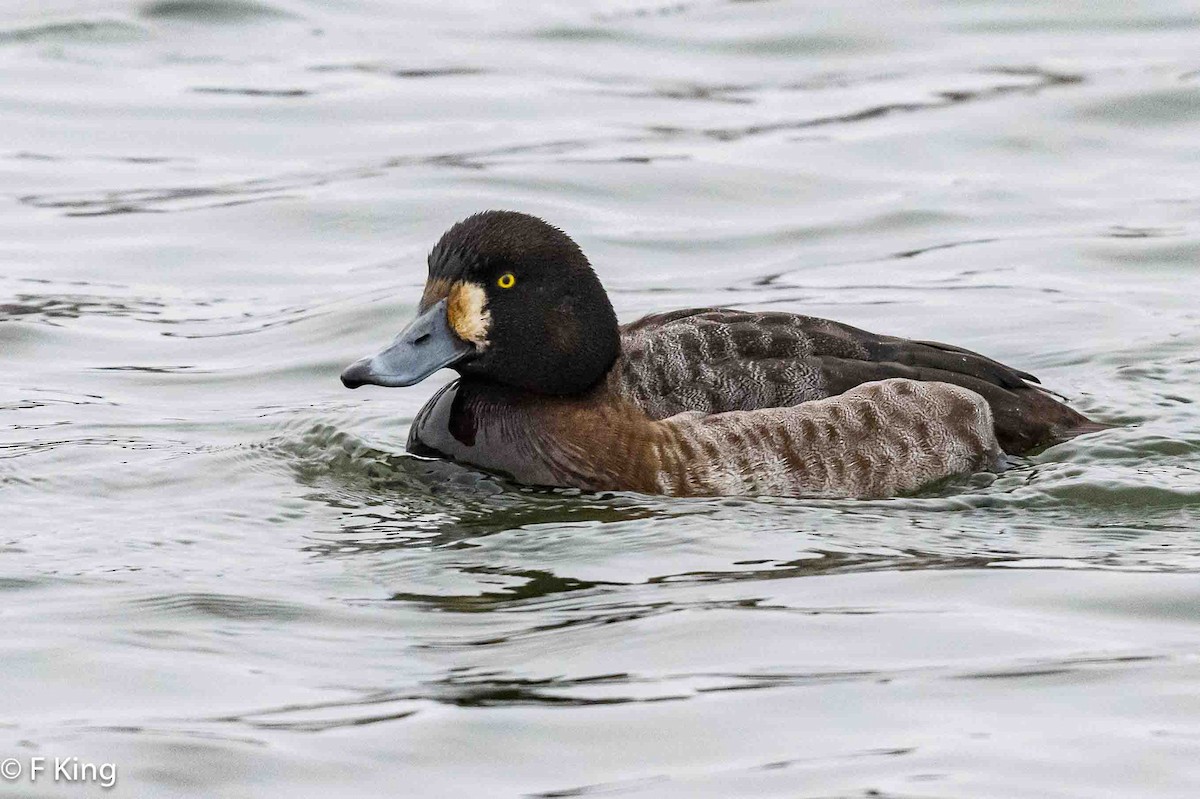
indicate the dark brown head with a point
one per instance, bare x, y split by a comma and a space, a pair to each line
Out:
509, 299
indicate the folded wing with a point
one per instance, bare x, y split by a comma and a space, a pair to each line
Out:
713, 360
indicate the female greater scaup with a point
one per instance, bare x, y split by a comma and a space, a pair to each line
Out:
705, 401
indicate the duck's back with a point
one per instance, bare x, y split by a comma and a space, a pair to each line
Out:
712, 360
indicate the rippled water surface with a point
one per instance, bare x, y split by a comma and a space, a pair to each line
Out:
220, 571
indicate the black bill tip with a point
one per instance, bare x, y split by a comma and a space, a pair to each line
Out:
357, 374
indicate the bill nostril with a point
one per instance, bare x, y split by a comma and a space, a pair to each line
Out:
421, 339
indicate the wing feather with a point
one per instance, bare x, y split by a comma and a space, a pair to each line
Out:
715, 360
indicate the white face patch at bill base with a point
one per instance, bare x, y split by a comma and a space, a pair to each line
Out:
466, 310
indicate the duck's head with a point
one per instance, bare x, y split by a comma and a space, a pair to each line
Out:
509, 299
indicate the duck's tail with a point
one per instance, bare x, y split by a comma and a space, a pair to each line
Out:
1083, 428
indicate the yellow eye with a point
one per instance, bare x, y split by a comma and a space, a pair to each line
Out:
507, 280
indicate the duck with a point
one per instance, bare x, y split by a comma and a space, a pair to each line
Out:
553, 391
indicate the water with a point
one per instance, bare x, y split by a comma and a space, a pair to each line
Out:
220, 572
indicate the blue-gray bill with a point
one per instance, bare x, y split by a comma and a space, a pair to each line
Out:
426, 345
